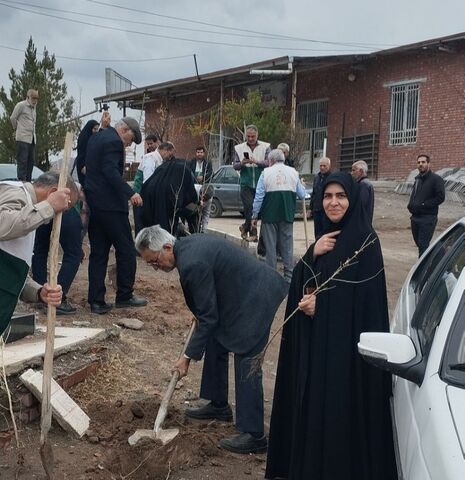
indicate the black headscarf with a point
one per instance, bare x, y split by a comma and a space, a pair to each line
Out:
331, 416
82, 141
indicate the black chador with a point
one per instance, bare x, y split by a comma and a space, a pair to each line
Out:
331, 417
169, 190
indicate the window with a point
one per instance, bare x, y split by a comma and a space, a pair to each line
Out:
404, 113
436, 294
231, 176
453, 365
313, 114
424, 272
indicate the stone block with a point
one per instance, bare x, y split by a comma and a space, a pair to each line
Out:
66, 411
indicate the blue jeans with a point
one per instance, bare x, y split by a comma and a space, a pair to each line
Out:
70, 241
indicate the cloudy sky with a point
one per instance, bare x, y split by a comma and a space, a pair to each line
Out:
153, 41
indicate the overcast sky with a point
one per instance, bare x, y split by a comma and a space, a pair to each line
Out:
358, 26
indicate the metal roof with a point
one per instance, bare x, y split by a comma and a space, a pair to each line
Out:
241, 75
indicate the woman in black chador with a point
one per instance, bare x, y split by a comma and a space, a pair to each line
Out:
331, 417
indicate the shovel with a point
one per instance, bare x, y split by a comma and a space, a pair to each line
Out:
158, 433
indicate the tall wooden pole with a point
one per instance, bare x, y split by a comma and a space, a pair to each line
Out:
46, 452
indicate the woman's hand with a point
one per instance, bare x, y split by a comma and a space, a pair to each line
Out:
307, 304
325, 243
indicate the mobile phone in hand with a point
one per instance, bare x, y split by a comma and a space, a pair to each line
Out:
246, 155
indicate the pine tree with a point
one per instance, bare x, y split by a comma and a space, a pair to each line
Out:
54, 105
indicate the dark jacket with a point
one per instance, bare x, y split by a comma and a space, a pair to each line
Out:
367, 197
233, 295
207, 170
316, 202
427, 194
83, 140
105, 188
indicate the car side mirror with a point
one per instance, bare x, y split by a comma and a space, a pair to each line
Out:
393, 352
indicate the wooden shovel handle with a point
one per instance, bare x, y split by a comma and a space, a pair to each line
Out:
172, 385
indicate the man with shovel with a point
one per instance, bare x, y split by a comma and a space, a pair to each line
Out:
210, 271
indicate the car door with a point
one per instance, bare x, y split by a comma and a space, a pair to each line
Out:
227, 188
424, 428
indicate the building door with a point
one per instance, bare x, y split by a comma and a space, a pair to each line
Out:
317, 136
312, 117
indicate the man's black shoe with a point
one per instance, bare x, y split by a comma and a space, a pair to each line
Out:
65, 308
100, 308
244, 443
132, 302
210, 412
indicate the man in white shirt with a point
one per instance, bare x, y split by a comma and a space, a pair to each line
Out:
150, 161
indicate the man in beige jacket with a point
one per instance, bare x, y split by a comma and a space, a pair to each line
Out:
23, 208
23, 120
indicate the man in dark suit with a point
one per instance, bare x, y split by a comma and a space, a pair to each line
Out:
234, 298
316, 200
107, 195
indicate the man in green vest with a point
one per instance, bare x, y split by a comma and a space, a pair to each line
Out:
23, 208
275, 201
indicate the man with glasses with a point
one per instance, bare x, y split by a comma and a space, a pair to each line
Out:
427, 194
209, 270
108, 195
23, 120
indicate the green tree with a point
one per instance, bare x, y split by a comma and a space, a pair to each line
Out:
238, 113
53, 108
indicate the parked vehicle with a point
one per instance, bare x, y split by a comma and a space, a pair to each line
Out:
426, 354
8, 172
227, 194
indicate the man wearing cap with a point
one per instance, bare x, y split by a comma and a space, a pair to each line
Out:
107, 195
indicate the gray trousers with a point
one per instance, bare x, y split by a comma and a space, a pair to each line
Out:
279, 234
25, 155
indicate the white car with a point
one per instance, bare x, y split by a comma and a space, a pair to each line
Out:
426, 355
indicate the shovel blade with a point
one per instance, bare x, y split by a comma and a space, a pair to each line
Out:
139, 435
163, 436
48, 462
166, 436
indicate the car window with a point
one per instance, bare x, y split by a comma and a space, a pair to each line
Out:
424, 272
218, 177
453, 364
230, 176
436, 293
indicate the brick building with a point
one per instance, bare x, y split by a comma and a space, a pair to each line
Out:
385, 107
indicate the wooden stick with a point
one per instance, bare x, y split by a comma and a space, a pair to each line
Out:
304, 213
162, 411
46, 452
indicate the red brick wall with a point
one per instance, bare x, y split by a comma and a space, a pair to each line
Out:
363, 106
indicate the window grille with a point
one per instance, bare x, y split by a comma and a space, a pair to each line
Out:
313, 114
405, 101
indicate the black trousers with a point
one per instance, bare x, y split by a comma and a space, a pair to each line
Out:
25, 153
108, 228
71, 243
318, 222
247, 196
422, 230
249, 386
138, 219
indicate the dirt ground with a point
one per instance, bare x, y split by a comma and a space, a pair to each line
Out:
125, 393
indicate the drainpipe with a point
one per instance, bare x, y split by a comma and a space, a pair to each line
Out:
293, 100
220, 153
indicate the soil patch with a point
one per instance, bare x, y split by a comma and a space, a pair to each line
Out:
112, 424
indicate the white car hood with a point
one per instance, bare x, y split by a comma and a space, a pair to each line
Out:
456, 399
